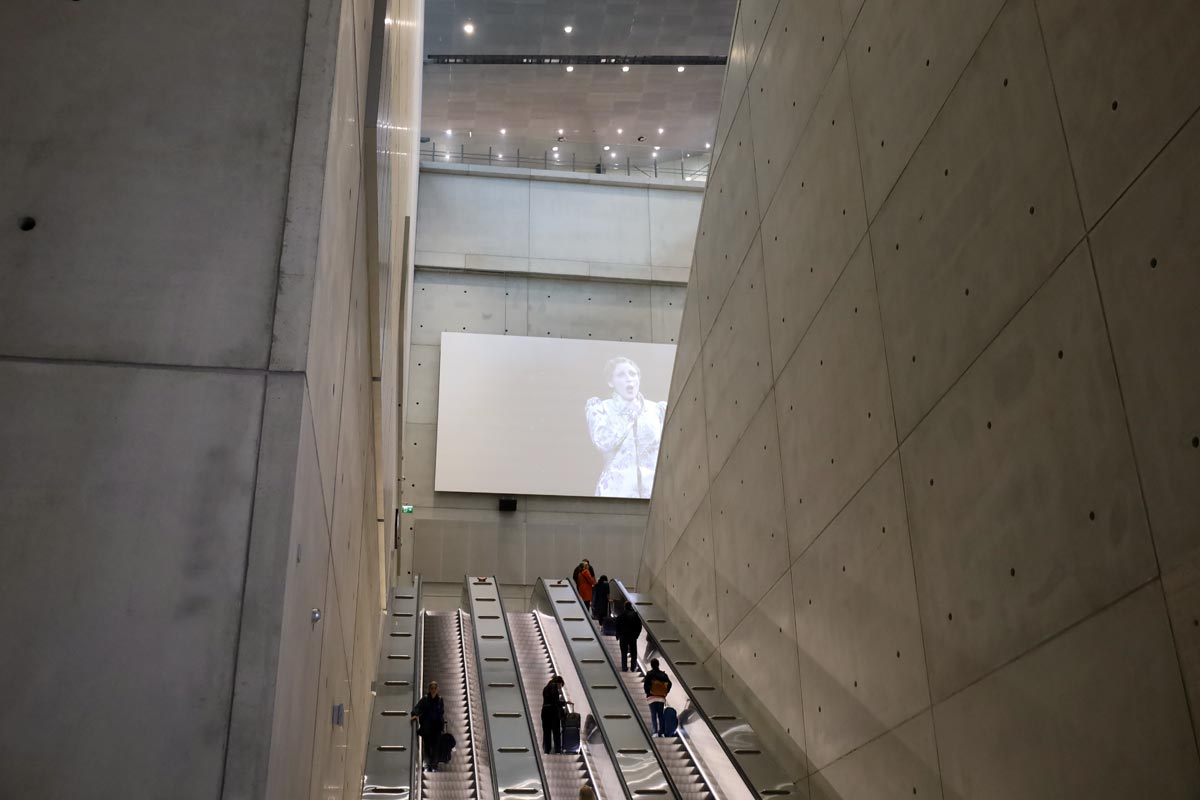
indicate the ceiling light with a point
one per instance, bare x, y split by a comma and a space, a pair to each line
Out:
708, 145
468, 29
660, 131
503, 131
560, 131
607, 148
687, 155
555, 148
654, 155
500, 155
449, 132
567, 29
570, 68
656, 147
680, 68
620, 130
614, 155
556, 155
625, 68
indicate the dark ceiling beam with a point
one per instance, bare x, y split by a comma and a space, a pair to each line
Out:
544, 60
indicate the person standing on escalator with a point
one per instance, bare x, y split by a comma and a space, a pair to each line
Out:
629, 629
600, 600
584, 581
657, 686
554, 705
430, 717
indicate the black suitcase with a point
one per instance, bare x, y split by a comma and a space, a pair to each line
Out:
446, 748
570, 733
609, 626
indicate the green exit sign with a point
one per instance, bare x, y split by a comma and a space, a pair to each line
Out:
406, 509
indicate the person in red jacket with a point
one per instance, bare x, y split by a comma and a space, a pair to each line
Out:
585, 580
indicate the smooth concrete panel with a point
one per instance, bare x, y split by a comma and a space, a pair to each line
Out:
674, 217
1125, 77
850, 13
749, 30
300, 639
862, 660
333, 689
797, 56
666, 313
686, 457
611, 225
688, 346
127, 540
1145, 253
420, 448
427, 548
1181, 585
589, 310
835, 419
761, 670
901, 763
737, 361
748, 521
983, 213
423, 365
1097, 712
1032, 440
469, 214
516, 305
158, 223
689, 577
445, 301
905, 57
815, 221
728, 222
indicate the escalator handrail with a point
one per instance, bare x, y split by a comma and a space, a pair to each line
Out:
462, 656
683, 684
593, 781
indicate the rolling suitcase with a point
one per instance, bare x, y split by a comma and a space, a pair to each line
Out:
608, 627
670, 722
570, 732
445, 748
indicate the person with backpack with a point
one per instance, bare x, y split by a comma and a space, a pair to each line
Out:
430, 717
657, 686
585, 580
629, 629
600, 599
553, 708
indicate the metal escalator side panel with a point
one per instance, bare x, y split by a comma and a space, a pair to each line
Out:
732, 753
392, 763
513, 756
638, 763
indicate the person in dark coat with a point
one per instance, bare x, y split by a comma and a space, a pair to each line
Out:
656, 685
629, 628
600, 599
430, 717
553, 708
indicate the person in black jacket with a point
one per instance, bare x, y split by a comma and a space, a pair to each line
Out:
656, 685
553, 708
629, 628
600, 599
430, 716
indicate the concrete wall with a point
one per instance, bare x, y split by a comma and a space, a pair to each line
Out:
553, 223
926, 502
481, 279
186, 437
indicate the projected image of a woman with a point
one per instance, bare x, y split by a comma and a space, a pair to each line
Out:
627, 429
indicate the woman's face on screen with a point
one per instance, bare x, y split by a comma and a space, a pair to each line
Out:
626, 381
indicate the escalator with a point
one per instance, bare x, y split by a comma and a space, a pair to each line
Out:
448, 661
565, 772
681, 766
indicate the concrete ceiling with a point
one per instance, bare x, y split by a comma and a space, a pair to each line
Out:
531, 102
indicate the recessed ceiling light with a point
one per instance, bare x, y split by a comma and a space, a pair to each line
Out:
620, 130
660, 131
568, 28
614, 155
555, 148
680, 68
625, 68
654, 155
449, 132
570, 68
556, 155
500, 155
560, 131
468, 29
607, 148
708, 145
687, 155
503, 131
656, 147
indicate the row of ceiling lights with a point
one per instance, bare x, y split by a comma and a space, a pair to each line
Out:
504, 132
469, 29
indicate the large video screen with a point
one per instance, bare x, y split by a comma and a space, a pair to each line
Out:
526, 415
